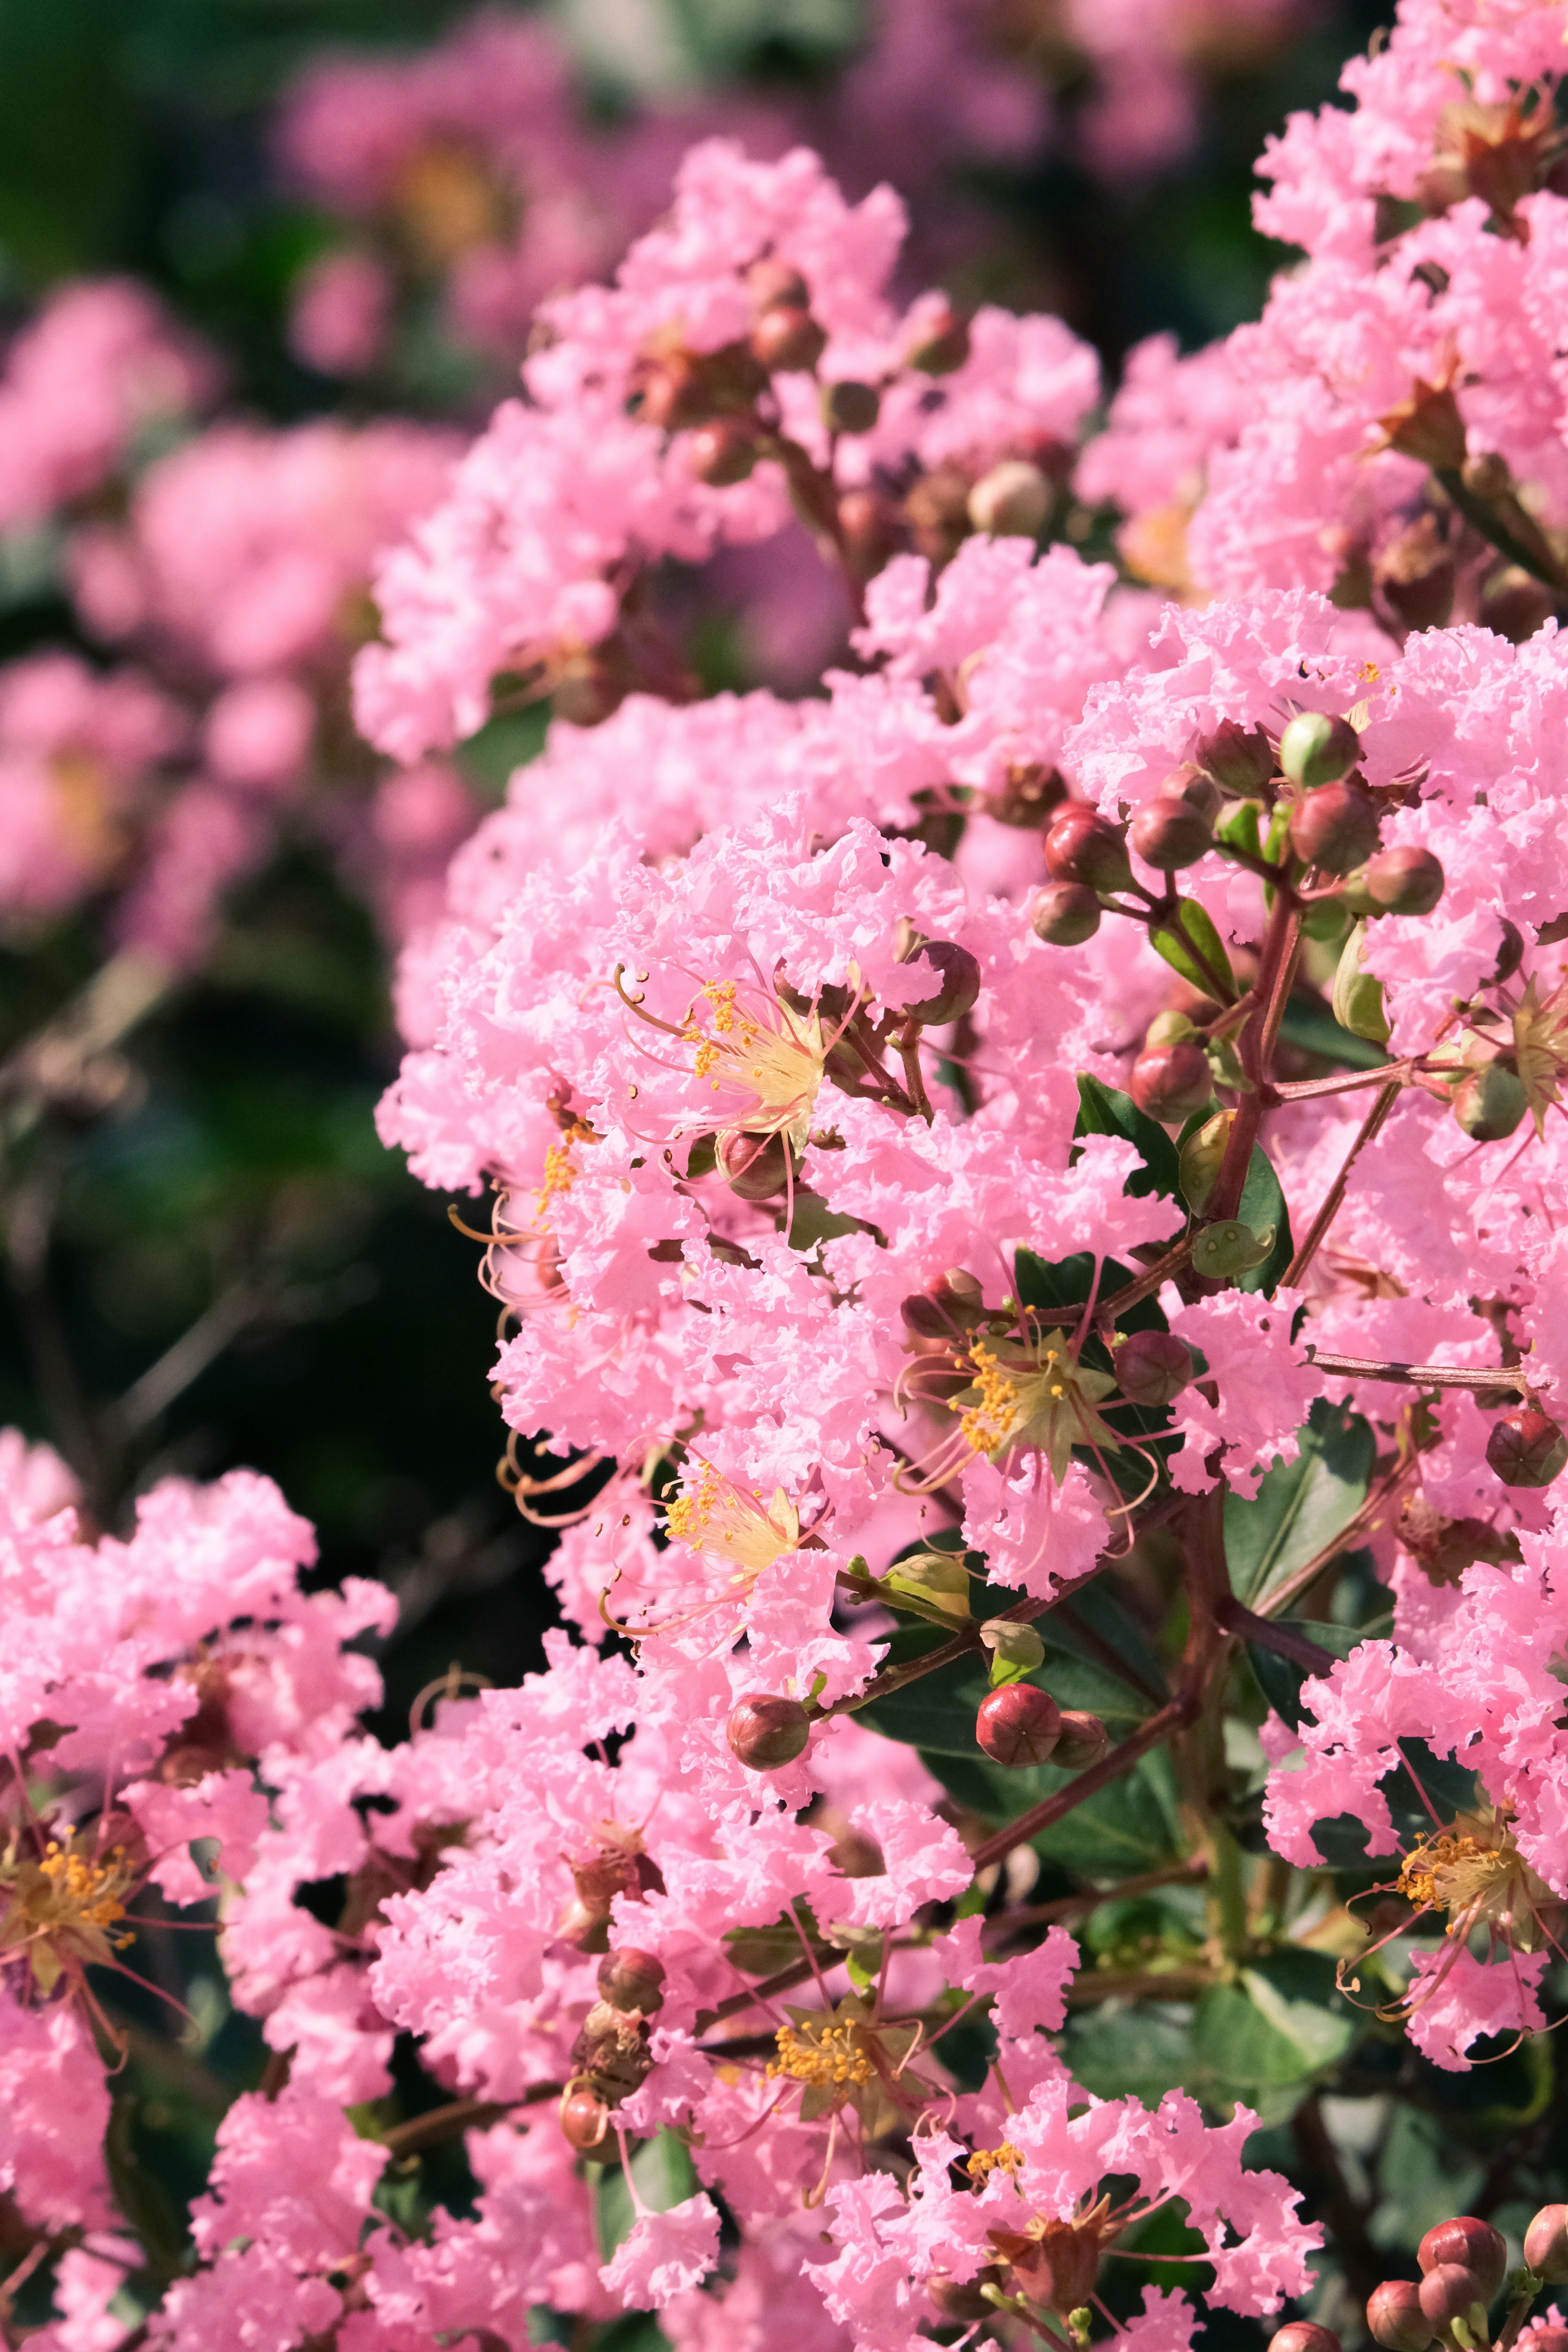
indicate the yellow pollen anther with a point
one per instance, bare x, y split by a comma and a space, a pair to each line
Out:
832, 2057
987, 2161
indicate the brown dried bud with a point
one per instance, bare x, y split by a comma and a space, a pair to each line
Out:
787, 338
722, 453
1416, 573
1303, 2336
754, 1167
1059, 2265
1082, 1741
1152, 1367
632, 1980
1082, 846
1335, 827
775, 284
1490, 1102
1449, 2292
767, 1731
1012, 500
1170, 1082
1546, 2245
613, 2050
1031, 793
1168, 832
1017, 1724
585, 2117
1318, 749
1405, 881
1526, 1448
962, 2299
944, 345
1515, 604
1395, 2319
1473, 2245
1239, 759
960, 990
850, 407
1428, 428
1066, 914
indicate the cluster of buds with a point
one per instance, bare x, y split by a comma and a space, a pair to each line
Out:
610, 2057
1463, 2265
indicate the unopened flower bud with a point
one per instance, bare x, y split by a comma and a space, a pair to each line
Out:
631, 1979
1490, 1102
871, 532
1546, 2245
721, 453
1515, 604
585, 2117
963, 2300
937, 1580
1450, 2292
1168, 1028
946, 1307
960, 987
1394, 2317
1198, 790
1066, 914
944, 345
1015, 1650
787, 338
756, 1166
1082, 846
767, 1731
1170, 1082
1081, 1740
1303, 2336
1335, 827
775, 284
1239, 759
1152, 1367
1526, 1448
1473, 2245
1019, 1724
1357, 999
1011, 502
850, 407
1227, 1248
1031, 793
1316, 749
1416, 573
1169, 833
1405, 881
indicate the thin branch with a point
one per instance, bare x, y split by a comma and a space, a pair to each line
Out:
1073, 1906
1423, 1376
1483, 518
1369, 1127
1112, 1767
1238, 1619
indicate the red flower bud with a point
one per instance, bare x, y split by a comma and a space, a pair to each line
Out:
1303, 2336
1189, 783
754, 1166
585, 2117
1472, 2245
1169, 833
765, 1731
1082, 1741
1404, 881
1546, 2245
1017, 1724
1316, 749
631, 1980
1080, 847
1335, 827
850, 407
1395, 2319
1239, 759
1152, 1367
789, 337
1526, 1448
1065, 915
1170, 1082
1490, 1102
1011, 502
721, 453
960, 983
1450, 2292
871, 529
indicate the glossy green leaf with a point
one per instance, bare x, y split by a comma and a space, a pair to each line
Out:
1131, 1826
1191, 945
1263, 1208
665, 2176
1105, 1110
1301, 1506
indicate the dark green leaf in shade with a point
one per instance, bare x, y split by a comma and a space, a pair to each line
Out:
1301, 1506
1264, 1209
1105, 1110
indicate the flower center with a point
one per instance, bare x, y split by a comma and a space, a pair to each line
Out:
720, 1519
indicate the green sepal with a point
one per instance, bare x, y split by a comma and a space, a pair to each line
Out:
1191, 946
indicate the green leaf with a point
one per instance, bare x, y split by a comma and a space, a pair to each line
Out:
1191, 945
637, 2331
1044, 1285
1124, 1829
1118, 2050
1104, 1110
1319, 1033
1263, 1208
1300, 1505
665, 2176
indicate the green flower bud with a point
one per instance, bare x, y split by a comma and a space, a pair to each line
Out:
1203, 1156
1316, 749
1358, 996
936, 1581
1490, 1102
1015, 1650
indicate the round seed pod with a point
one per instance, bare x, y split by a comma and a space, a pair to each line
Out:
1490, 1102
721, 453
850, 407
1082, 1741
754, 1166
1546, 2245
1169, 833
631, 1979
1011, 502
1152, 1367
960, 983
1525, 1449
1473, 2245
787, 337
1017, 1724
1404, 881
1081, 846
767, 1731
1303, 2336
1170, 1082
1316, 749
585, 2117
1450, 2292
1335, 827
1394, 2317
1065, 915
